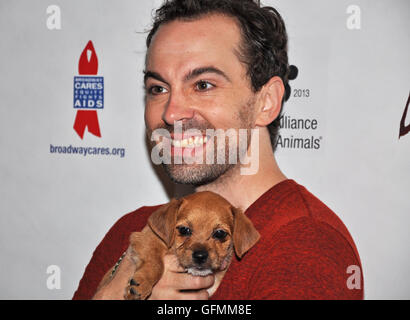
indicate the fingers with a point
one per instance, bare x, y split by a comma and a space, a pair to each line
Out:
179, 279
197, 295
184, 281
187, 281
168, 293
176, 284
181, 286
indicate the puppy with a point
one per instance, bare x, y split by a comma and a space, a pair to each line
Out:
202, 230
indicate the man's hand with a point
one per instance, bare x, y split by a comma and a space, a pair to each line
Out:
173, 280
176, 279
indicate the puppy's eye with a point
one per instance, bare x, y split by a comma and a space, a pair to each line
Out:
184, 231
219, 234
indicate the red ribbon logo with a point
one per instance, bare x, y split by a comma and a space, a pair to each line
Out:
88, 65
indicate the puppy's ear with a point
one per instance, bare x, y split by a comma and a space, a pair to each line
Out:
163, 221
244, 233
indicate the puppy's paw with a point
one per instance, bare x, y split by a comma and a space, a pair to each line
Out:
137, 290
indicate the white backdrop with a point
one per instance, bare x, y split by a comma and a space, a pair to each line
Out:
353, 60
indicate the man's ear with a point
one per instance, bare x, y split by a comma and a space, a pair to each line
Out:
244, 233
270, 101
162, 221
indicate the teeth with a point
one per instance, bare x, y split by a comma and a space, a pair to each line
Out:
190, 143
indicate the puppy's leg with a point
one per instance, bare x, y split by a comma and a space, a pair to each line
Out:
148, 252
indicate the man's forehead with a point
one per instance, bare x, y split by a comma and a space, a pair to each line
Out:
214, 24
207, 37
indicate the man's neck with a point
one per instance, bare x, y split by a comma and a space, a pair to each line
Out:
243, 190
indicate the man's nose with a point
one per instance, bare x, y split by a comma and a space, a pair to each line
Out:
178, 108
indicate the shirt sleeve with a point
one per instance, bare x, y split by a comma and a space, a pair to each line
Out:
104, 257
110, 249
308, 260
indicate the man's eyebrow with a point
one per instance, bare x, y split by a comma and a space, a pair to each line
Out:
155, 75
191, 74
198, 71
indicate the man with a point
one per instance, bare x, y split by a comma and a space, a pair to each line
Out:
222, 64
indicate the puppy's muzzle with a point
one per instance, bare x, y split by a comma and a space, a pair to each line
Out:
200, 256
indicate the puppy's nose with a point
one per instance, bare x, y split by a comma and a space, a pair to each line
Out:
200, 256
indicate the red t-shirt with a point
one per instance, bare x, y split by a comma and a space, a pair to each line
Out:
305, 251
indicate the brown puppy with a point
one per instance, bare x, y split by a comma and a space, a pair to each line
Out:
202, 230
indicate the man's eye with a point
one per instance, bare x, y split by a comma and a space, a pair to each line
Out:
156, 90
184, 231
219, 234
203, 85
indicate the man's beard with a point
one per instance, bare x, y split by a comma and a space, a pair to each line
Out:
198, 174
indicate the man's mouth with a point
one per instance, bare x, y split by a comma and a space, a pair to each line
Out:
187, 146
191, 142
182, 141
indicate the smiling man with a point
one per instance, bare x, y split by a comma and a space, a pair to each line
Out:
201, 84
221, 65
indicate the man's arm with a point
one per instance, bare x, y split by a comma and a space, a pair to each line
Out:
168, 287
107, 253
112, 247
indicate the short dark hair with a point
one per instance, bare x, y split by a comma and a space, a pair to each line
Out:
264, 38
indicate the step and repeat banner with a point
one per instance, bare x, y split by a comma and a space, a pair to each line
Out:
74, 155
